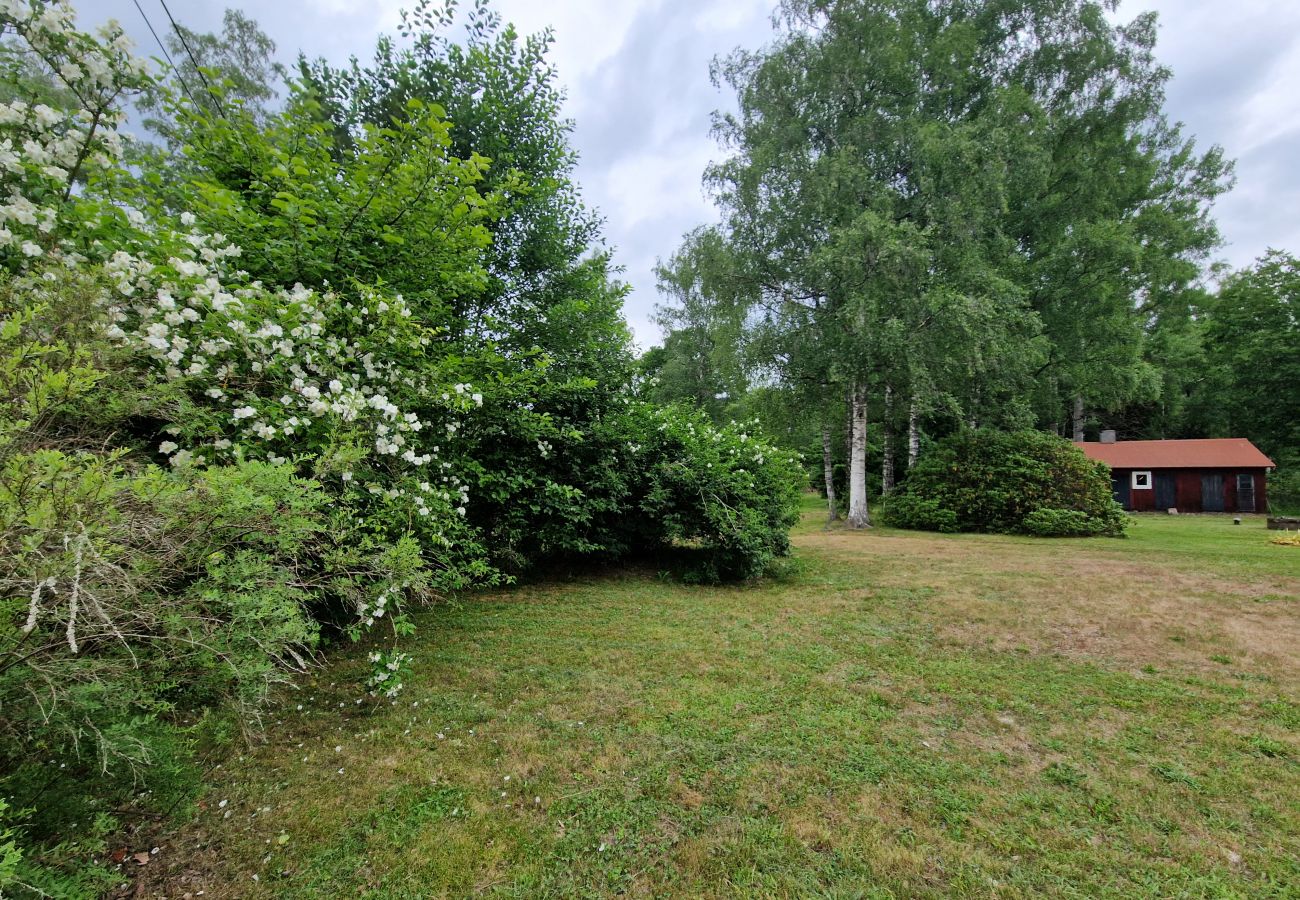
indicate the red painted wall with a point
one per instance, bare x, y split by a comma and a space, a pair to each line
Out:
1187, 489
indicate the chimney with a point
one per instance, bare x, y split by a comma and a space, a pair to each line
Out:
1108, 436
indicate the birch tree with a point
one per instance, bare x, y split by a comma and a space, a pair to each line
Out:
980, 205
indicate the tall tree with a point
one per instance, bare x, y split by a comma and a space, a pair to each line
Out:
866, 212
550, 294
1252, 351
1109, 205
549, 274
980, 205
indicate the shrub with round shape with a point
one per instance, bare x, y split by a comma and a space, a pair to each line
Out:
1027, 482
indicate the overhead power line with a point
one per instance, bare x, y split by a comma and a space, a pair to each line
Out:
180, 35
163, 47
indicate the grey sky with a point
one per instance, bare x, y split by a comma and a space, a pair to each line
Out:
636, 72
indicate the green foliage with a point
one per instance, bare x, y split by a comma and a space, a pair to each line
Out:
1251, 330
977, 209
270, 385
1048, 522
241, 60
644, 480
1284, 489
10, 855
727, 495
995, 481
904, 510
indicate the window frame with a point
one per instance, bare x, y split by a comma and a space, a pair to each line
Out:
1146, 475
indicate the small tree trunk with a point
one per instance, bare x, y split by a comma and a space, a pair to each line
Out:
828, 468
859, 515
913, 434
887, 439
1077, 418
848, 425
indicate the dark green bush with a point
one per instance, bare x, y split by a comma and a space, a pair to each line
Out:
1284, 488
1059, 523
994, 481
905, 510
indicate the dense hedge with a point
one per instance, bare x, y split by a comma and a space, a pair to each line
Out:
1029, 482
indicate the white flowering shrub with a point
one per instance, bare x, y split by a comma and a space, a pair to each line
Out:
297, 486
289, 375
46, 152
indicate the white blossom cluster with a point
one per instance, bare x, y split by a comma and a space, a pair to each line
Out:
288, 377
43, 150
274, 374
290, 380
386, 673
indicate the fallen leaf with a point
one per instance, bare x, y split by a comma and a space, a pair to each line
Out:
142, 858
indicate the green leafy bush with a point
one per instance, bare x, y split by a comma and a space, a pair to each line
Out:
903, 510
1059, 523
985, 480
727, 496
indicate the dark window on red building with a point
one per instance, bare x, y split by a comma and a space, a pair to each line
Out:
1245, 493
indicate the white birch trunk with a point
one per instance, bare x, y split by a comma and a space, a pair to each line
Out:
887, 440
828, 469
859, 515
1077, 418
913, 434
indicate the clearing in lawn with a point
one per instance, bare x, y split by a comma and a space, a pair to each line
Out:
907, 715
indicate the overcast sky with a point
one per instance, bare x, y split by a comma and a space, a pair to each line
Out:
637, 78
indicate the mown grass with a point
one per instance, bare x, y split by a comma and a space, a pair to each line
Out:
907, 715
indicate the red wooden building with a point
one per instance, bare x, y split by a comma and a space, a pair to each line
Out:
1212, 475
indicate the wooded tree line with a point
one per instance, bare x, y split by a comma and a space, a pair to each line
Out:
938, 214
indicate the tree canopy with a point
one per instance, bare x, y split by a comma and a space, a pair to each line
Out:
947, 214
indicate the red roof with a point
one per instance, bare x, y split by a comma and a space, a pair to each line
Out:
1208, 453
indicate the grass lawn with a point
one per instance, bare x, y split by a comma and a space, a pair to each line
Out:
908, 715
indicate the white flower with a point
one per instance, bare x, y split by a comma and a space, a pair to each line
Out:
167, 447
187, 219
30, 249
244, 412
